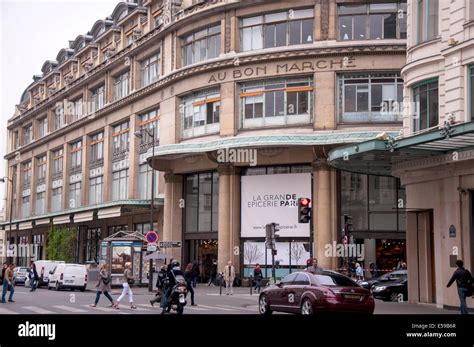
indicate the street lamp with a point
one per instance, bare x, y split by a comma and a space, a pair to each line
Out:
150, 133
11, 204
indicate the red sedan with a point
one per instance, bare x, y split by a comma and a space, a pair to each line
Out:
305, 293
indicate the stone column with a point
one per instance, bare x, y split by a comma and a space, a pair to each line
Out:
107, 168
369, 255
85, 170
172, 214
321, 211
133, 159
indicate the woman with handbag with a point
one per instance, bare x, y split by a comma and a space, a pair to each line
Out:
104, 285
127, 290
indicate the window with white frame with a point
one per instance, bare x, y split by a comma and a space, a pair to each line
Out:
276, 102
373, 97
120, 137
201, 113
150, 69
96, 186
28, 134
57, 162
426, 99
98, 98
26, 174
149, 123
375, 21
56, 199
59, 120
427, 20
201, 45
97, 147
122, 85
145, 174
41, 169
43, 127
75, 195
25, 207
40, 203
76, 155
292, 27
120, 185
78, 111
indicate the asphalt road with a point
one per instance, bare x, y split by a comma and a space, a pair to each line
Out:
208, 300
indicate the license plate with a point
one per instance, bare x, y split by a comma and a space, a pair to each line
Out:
352, 296
68, 281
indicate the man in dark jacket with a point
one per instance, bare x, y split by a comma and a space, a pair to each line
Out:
174, 269
195, 274
33, 277
3, 272
160, 285
213, 272
464, 282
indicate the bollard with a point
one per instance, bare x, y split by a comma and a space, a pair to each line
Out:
220, 284
250, 284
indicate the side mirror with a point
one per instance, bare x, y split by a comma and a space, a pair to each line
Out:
51, 272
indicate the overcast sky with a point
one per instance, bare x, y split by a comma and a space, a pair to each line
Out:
31, 32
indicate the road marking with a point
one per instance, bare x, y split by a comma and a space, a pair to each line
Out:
38, 310
148, 306
105, 309
7, 311
196, 308
70, 309
238, 308
135, 309
216, 308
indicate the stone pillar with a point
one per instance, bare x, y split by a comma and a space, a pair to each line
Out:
322, 230
107, 186
133, 159
85, 170
324, 96
369, 255
228, 110
172, 214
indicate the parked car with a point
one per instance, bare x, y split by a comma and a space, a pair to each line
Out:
43, 267
305, 293
71, 276
20, 274
390, 276
396, 290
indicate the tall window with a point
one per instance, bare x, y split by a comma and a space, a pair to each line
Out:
59, 121
16, 139
26, 174
25, 207
75, 195
120, 137
43, 127
122, 86
120, 185
150, 69
201, 214
58, 162
27, 134
201, 45
96, 190
144, 181
151, 122
201, 113
97, 98
40, 203
427, 20
276, 102
41, 169
370, 97
78, 111
372, 21
56, 199
427, 107
292, 27
97, 148
76, 156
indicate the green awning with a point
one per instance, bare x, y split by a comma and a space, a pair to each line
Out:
377, 157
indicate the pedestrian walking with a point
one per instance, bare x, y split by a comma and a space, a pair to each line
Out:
8, 283
359, 272
213, 272
188, 276
196, 273
127, 286
229, 277
464, 282
33, 274
373, 270
160, 285
104, 285
3, 272
258, 276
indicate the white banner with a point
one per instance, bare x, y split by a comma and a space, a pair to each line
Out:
274, 198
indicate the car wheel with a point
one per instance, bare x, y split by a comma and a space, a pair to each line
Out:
83, 289
49, 288
394, 297
307, 307
263, 306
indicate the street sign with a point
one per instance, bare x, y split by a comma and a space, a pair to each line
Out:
151, 247
170, 244
151, 237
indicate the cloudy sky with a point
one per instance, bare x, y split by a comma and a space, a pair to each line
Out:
32, 31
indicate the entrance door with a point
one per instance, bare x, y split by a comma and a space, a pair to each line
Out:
204, 252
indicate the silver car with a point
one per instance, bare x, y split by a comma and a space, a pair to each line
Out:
20, 274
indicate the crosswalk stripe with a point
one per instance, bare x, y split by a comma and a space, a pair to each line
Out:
237, 308
105, 309
6, 311
195, 308
215, 308
148, 305
136, 309
70, 309
38, 310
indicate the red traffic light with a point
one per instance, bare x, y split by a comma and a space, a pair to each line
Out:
305, 202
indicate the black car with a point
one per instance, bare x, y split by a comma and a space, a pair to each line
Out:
397, 275
391, 290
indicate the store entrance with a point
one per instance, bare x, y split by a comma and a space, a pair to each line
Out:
204, 252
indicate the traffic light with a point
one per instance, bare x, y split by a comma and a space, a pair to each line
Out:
275, 229
271, 235
304, 210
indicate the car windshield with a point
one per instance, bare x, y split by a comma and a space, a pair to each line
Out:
75, 270
24, 269
395, 275
335, 280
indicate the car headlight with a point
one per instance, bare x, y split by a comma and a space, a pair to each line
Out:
379, 289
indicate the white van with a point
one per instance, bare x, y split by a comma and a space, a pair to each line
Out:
43, 267
72, 276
